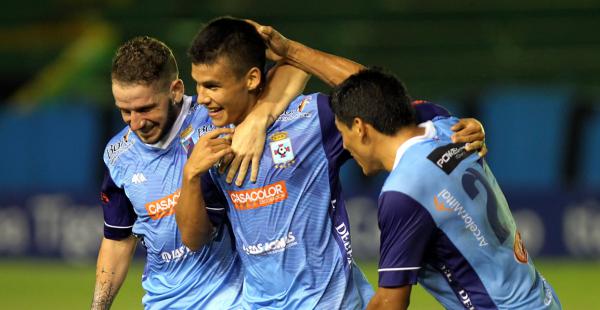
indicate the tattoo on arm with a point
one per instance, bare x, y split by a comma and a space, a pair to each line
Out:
105, 292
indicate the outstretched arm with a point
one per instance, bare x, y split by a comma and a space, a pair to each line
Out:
114, 258
329, 68
284, 83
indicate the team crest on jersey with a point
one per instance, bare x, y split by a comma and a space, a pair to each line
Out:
281, 150
116, 149
188, 139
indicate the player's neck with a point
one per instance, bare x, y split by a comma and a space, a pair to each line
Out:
251, 106
388, 145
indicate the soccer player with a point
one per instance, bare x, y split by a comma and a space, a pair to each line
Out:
468, 252
444, 220
144, 165
291, 227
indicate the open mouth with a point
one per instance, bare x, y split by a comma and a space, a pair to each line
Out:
214, 111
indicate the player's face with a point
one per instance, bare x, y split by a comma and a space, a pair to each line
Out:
226, 95
148, 110
362, 152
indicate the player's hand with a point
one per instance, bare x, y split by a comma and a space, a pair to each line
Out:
248, 145
471, 131
209, 150
278, 45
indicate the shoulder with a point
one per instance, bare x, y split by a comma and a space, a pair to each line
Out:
302, 107
118, 145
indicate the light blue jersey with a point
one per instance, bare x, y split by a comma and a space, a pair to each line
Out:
291, 227
445, 223
139, 194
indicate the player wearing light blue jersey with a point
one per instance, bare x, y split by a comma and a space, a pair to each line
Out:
443, 218
142, 187
291, 226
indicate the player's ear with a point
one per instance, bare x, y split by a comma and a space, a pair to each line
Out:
253, 79
358, 126
177, 90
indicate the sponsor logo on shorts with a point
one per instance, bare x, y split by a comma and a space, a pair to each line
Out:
259, 197
452, 204
163, 207
271, 247
447, 157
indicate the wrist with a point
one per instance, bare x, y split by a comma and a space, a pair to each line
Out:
190, 174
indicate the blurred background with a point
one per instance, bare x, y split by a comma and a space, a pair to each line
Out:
529, 70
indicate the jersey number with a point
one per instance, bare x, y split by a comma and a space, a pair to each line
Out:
468, 182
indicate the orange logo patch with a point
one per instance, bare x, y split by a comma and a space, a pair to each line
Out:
259, 197
163, 207
519, 248
439, 206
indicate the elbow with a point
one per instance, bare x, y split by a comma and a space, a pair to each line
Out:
195, 242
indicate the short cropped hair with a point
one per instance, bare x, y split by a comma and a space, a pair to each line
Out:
376, 97
144, 60
230, 37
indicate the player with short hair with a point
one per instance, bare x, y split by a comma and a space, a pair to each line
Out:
291, 227
443, 217
444, 220
141, 187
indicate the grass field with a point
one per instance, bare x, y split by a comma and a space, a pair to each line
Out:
55, 285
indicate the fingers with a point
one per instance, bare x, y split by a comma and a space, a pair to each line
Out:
467, 130
263, 31
242, 171
225, 161
217, 132
468, 138
483, 151
458, 126
233, 168
477, 146
255, 166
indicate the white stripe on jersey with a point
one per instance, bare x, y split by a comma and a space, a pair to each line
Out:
398, 269
120, 227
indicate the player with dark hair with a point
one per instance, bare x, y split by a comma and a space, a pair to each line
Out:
444, 221
144, 164
291, 227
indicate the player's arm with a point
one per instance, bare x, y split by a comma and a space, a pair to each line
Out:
191, 215
406, 228
118, 244
391, 298
284, 83
331, 69
114, 258
467, 130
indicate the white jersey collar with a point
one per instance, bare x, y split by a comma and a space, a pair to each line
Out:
430, 132
166, 140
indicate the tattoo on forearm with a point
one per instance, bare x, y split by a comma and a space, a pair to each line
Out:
104, 292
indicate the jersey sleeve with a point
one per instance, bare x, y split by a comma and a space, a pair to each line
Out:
119, 215
215, 201
427, 111
406, 228
332, 139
